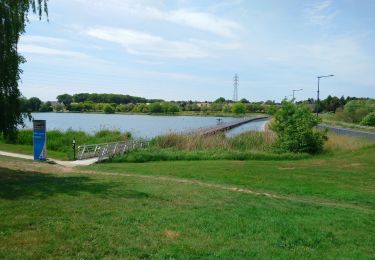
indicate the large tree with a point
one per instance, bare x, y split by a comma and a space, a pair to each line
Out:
13, 19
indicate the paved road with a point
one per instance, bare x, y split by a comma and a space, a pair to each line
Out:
63, 163
348, 131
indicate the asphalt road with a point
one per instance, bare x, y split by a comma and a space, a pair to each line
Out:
348, 131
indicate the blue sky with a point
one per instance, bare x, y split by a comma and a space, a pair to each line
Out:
190, 50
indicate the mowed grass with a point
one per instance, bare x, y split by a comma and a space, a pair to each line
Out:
319, 208
29, 150
348, 176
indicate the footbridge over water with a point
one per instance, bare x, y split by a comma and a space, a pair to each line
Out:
226, 127
106, 151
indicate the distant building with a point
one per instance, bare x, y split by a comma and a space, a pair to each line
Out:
203, 104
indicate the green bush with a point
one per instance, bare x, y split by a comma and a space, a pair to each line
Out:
355, 110
369, 120
108, 109
294, 126
239, 108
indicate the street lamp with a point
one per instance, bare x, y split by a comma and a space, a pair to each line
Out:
294, 90
286, 97
317, 101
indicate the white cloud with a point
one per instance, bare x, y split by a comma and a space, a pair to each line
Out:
198, 20
32, 39
203, 21
37, 49
140, 43
321, 13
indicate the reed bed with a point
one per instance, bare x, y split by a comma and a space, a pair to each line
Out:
252, 140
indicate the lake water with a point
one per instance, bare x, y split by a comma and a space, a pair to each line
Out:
252, 126
141, 126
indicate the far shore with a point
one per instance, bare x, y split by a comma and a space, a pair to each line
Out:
188, 113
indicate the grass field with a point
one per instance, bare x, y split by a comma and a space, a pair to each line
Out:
323, 207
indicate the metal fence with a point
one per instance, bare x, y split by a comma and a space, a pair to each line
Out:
108, 150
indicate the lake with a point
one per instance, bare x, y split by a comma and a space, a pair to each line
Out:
141, 126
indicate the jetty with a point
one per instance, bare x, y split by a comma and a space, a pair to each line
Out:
226, 127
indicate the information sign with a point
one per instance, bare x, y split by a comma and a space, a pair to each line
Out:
40, 140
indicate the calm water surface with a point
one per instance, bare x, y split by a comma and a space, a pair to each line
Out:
252, 126
141, 126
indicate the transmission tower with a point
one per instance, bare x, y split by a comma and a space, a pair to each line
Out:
235, 84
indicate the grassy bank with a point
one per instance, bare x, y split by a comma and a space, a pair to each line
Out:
251, 145
315, 208
59, 143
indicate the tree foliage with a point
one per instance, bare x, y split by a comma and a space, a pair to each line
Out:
239, 108
369, 120
294, 126
13, 19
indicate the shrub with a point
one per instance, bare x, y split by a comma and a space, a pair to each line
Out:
239, 108
355, 110
369, 120
294, 126
108, 109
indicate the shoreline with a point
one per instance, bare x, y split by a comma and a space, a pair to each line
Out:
158, 114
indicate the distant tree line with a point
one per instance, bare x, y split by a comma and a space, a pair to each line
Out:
34, 104
349, 109
67, 99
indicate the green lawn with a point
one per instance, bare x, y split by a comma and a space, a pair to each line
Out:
28, 150
322, 208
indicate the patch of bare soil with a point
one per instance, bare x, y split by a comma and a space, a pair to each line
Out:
171, 235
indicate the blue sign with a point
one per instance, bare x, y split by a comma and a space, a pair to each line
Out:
40, 140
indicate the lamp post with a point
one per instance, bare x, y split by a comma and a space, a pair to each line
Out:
74, 148
317, 101
294, 90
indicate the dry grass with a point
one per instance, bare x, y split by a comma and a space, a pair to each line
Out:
253, 140
346, 143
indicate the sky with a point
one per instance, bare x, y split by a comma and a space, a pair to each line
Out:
191, 49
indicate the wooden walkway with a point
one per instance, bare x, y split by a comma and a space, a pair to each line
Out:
229, 126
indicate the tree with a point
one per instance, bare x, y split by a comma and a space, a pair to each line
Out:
108, 109
294, 126
13, 19
239, 108
66, 99
34, 104
155, 108
369, 120
46, 107
220, 100
58, 107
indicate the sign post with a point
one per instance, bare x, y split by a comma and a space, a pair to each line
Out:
40, 140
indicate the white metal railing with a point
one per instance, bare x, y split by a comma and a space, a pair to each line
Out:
108, 150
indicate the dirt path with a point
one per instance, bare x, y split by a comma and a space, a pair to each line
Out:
37, 167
